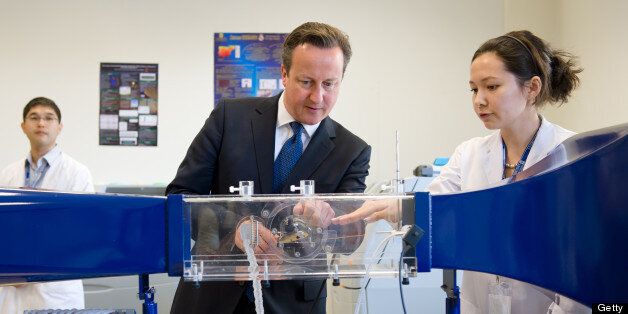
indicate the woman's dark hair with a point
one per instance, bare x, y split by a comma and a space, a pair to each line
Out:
526, 55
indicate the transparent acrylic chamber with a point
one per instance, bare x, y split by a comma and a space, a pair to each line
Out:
292, 237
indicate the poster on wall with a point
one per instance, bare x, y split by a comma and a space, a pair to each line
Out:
128, 104
247, 64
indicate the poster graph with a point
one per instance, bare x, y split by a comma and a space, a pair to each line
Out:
128, 104
247, 64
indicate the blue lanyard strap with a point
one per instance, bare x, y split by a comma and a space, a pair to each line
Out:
27, 173
524, 156
34, 180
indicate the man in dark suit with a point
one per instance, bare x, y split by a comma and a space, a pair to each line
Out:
245, 139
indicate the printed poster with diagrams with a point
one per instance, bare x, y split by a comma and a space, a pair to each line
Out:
128, 104
247, 64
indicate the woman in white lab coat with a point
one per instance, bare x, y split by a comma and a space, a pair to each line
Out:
512, 77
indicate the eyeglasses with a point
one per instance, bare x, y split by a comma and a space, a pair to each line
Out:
35, 119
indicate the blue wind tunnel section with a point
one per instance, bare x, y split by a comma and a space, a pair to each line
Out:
52, 236
562, 224
179, 245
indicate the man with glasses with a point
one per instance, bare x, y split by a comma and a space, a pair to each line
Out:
45, 167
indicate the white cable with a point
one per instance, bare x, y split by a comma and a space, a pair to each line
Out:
245, 234
387, 239
397, 162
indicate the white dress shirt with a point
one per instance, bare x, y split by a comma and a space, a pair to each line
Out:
284, 131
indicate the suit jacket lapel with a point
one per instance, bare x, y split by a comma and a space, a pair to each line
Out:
263, 128
317, 150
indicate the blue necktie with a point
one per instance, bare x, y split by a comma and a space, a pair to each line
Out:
288, 157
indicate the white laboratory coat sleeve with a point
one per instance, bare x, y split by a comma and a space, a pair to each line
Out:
65, 174
566, 305
478, 164
449, 179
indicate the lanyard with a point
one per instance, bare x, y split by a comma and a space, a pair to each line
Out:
34, 181
27, 178
524, 156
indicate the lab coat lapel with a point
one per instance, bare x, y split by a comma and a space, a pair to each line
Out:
541, 144
493, 164
263, 128
16, 175
317, 150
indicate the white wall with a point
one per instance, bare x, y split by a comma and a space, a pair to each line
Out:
595, 32
537, 16
409, 71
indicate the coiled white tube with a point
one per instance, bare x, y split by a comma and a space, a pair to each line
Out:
246, 235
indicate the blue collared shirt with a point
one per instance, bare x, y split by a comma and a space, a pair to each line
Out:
34, 173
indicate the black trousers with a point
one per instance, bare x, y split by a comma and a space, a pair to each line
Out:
286, 296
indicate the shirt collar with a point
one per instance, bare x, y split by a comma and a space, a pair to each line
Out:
283, 118
51, 157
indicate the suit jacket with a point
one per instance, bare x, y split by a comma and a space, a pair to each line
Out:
237, 143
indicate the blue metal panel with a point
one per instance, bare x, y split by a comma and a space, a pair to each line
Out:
53, 235
177, 240
564, 229
423, 220
562, 225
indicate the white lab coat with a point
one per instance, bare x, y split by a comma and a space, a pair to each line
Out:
64, 174
477, 164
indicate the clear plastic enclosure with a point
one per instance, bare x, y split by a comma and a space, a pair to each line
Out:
274, 237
